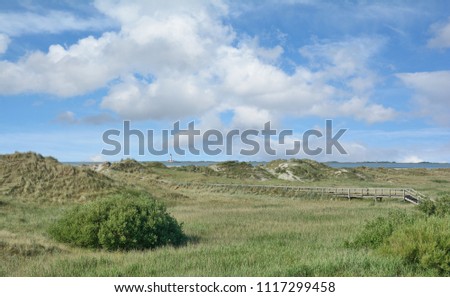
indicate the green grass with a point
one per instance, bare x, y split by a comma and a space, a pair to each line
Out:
232, 233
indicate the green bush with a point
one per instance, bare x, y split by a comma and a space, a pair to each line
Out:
377, 231
417, 240
426, 244
428, 207
121, 222
440, 207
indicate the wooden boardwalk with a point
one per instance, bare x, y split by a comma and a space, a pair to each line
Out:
407, 194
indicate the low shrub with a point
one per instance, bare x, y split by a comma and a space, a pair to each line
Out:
419, 241
440, 207
121, 222
428, 207
425, 244
377, 231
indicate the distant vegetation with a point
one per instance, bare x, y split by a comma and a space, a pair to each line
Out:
290, 170
158, 165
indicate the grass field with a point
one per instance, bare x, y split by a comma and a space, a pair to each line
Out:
230, 233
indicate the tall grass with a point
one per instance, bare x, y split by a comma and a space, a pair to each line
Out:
233, 235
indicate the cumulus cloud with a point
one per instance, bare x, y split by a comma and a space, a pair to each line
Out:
4, 42
258, 117
64, 72
431, 93
327, 87
441, 35
155, 43
166, 98
178, 59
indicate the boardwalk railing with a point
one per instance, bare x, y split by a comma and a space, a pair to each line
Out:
407, 194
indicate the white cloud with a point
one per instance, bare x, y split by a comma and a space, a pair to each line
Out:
18, 23
345, 60
81, 68
163, 44
178, 59
4, 42
251, 117
97, 158
169, 97
431, 93
252, 83
362, 110
411, 159
441, 35
359, 108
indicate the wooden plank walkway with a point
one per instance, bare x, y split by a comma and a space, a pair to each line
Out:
407, 194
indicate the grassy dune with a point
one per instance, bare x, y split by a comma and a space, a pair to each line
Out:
231, 233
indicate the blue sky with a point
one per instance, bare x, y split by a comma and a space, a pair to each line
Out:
70, 70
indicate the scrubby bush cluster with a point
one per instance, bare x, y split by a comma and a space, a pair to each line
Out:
440, 207
376, 232
419, 240
120, 222
425, 243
